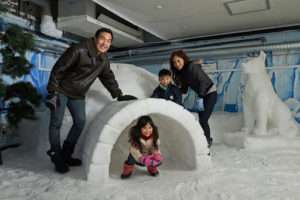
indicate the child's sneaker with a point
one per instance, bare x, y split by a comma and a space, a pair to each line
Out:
153, 171
127, 171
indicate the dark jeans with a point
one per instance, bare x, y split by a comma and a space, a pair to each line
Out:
209, 102
77, 110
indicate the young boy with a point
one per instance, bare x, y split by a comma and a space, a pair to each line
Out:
166, 90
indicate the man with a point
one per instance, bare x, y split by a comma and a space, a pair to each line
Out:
70, 79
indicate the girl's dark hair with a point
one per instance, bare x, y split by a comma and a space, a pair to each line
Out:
175, 73
135, 131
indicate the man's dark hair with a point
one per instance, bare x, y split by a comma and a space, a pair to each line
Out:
104, 30
164, 72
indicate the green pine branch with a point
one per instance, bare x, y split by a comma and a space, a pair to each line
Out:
2, 8
18, 111
24, 91
18, 40
2, 89
20, 98
14, 65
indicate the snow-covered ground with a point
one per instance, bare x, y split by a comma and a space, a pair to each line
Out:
266, 168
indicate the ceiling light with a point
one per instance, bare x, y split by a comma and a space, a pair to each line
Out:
240, 7
159, 6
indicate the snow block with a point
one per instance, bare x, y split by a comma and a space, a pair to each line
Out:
98, 173
203, 162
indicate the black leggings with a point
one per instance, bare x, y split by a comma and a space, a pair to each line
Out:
209, 102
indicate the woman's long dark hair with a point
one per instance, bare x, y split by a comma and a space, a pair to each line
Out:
135, 131
175, 73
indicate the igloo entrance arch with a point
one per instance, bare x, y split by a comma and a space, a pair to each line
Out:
106, 147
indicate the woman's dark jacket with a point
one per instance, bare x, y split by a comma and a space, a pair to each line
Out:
194, 77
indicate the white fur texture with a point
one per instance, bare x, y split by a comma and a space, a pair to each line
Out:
264, 112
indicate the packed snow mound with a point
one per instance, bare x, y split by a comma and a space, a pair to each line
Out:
132, 80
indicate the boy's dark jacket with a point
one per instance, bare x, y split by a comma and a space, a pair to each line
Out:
172, 93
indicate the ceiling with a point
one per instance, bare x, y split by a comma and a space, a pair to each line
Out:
178, 19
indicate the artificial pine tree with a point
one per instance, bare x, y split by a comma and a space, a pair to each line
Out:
21, 97
17, 98
2, 8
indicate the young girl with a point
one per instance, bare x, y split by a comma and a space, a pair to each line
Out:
144, 147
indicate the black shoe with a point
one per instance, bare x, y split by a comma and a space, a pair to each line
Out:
58, 161
73, 162
67, 153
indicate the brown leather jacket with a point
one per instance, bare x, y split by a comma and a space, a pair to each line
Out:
78, 67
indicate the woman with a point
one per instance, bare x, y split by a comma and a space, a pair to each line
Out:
188, 74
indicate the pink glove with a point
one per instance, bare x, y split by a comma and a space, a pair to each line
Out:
157, 157
148, 160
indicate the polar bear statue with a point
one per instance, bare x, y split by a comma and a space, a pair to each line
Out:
264, 112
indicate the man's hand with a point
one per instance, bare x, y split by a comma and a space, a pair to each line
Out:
52, 101
126, 97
